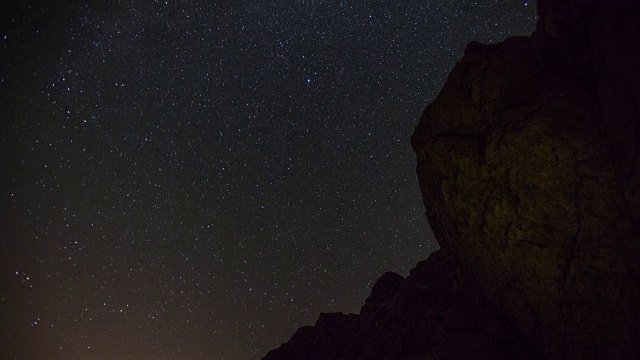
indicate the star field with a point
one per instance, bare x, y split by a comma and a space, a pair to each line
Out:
193, 181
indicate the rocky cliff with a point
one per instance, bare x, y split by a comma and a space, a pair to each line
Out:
433, 313
527, 163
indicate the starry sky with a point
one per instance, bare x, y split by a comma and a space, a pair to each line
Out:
185, 180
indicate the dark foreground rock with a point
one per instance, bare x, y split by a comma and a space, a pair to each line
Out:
528, 165
431, 314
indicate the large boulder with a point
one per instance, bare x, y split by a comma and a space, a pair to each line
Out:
527, 163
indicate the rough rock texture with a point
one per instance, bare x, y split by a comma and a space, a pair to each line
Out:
432, 314
527, 162
528, 166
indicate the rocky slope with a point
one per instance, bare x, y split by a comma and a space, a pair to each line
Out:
427, 315
527, 163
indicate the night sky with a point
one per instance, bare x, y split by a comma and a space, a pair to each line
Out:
191, 181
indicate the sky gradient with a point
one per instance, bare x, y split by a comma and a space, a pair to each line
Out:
196, 181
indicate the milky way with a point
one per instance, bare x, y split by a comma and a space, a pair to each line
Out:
191, 181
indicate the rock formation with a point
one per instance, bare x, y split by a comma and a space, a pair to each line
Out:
427, 315
528, 166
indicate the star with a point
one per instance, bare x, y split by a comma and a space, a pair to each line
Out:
252, 159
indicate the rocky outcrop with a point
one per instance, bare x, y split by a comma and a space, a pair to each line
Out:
527, 162
431, 314
528, 166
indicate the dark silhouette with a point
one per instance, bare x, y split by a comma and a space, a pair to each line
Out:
527, 163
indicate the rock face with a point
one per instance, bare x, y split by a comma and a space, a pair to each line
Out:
428, 315
527, 162
528, 166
